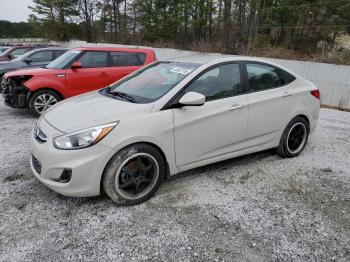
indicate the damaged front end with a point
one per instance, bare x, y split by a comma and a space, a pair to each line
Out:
14, 92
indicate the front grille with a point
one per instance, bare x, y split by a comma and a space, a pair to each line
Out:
36, 164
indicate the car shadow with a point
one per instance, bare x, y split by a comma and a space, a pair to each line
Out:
7, 111
225, 164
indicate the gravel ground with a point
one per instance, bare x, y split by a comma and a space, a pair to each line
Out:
253, 208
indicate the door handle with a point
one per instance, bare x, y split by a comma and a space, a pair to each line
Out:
287, 94
236, 107
103, 74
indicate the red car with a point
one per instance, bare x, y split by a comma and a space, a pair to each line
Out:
77, 71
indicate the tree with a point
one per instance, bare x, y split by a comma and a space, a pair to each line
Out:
89, 10
54, 15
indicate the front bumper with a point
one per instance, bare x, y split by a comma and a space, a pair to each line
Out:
14, 94
49, 165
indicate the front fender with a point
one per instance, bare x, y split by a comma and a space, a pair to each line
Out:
166, 149
53, 82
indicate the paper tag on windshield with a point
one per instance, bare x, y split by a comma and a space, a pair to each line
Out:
181, 70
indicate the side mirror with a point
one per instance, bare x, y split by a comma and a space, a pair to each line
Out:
28, 60
192, 99
76, 65
10, 57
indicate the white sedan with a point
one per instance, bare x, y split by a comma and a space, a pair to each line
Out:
169, 117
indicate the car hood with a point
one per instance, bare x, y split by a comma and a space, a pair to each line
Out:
4, 58
35, 72
91, 109
11, 65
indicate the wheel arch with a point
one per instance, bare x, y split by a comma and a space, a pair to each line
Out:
31, 93
303, 116
167, 168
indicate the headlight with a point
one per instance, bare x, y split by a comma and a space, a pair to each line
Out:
84, 138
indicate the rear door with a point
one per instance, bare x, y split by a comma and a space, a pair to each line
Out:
124, 63
94, 74
271, 101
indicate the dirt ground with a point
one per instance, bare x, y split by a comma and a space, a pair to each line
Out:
253, 208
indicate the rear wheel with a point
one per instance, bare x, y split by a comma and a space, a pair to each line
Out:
294, 138
134, 174
42, 100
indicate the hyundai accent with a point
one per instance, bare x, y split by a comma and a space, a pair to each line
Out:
169, 117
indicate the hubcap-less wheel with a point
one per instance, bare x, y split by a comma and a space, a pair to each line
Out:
44, 102
137, 176
296, 138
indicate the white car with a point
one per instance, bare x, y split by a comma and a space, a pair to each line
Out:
169, 117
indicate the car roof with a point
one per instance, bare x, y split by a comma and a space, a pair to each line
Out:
217, 59
108, 48
43, 49
49, 48
214, 58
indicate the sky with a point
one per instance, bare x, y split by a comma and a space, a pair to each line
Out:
15, 10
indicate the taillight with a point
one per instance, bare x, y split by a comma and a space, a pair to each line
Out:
316, 93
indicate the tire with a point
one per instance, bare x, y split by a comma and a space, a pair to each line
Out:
1, 76
45, 97
134, 174
294, 138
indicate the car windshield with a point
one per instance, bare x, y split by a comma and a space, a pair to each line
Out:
151, 83
3, 49
62, 61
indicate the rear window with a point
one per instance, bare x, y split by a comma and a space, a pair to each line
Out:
262, 77
128, 59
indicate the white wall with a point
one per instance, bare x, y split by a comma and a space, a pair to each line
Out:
332, 80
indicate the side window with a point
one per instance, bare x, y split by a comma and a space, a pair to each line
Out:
58, 53
19, 51
128, 59
263, 77
93, 59
221, 82
41, 56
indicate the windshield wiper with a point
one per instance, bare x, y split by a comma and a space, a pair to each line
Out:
121, 94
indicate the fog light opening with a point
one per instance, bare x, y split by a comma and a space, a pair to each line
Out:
65, 177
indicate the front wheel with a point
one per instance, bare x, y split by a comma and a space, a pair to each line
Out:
41, 101
134, 174
294, 138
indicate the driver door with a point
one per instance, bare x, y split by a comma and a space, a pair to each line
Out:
94, 74
219, 126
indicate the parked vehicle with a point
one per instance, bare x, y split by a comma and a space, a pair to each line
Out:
13, 52
3, 49
77, 71
170, 117
33, 59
